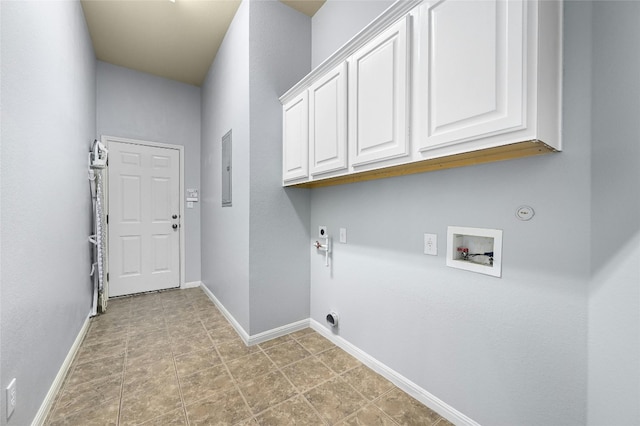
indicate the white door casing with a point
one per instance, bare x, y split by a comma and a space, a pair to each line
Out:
145, 235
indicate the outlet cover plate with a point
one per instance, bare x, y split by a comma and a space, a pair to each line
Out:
431, 244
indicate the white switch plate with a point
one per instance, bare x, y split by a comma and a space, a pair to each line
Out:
343, 235
431, 244
11, 397
192, 194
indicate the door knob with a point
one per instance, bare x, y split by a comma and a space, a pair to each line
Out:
175, 216
174, 226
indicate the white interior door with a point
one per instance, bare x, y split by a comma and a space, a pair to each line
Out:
144, 218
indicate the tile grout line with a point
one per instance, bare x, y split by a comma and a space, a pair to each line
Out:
333, 376
194, 308
372, 403
299, 393
368, 402
340, 375
124, 370
152, 317
175, 370
233, 379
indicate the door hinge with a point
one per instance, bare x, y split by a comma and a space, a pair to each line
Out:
107, 276
107, 219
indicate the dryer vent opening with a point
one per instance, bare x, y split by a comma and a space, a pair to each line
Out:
332, 319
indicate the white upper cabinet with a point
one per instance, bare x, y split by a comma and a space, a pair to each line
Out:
328, 122
295, 143
479, 69
429, 85
378, 97
474, 69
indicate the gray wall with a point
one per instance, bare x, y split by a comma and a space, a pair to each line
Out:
48, 123
137, 105
508, 350
279, 219
225, 230
255, 253
338, 21
614, 303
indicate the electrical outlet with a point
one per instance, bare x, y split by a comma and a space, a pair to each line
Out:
431, 244
322, 232
11, 398
343, 235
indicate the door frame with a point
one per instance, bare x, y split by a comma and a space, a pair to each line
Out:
106, 141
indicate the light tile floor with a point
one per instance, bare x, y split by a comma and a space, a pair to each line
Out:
171, 358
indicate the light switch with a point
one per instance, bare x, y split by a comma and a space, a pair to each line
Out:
343, 235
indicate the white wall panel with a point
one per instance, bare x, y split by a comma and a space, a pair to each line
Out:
48, 122
614, 297
279, 217
225, 231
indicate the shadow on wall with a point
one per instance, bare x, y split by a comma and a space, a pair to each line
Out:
619, 263
299, 199
615, 227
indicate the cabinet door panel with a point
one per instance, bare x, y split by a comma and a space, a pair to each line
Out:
379, 87
328, 122
295, 152
473, 68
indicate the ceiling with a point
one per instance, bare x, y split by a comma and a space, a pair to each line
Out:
308, 7
173, 39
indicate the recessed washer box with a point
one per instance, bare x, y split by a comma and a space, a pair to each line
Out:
475, 249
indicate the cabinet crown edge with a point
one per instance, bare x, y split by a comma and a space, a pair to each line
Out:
394, 12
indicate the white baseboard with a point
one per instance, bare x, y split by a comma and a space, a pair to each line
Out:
260, 337
396, 378
277, 332
243, 334
192, 284
42, 413
393, 376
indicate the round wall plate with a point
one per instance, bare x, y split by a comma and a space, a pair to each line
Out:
525, 213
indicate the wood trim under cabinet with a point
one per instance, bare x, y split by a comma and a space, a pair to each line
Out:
489, 155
